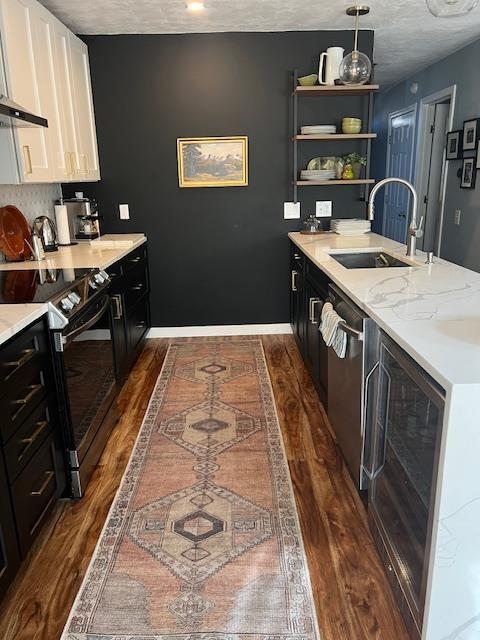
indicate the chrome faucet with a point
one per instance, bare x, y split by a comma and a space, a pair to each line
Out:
414, 229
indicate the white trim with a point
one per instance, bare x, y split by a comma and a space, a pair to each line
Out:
420, 169
220, 330
395, 114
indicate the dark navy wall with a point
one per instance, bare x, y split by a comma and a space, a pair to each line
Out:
459, 243
217, 255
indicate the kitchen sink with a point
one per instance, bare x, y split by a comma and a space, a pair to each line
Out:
368, 260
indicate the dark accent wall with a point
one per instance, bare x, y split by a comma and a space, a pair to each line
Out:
217, 255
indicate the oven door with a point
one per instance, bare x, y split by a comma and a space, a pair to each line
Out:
88, 375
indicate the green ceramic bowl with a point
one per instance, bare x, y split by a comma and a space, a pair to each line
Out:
308, 81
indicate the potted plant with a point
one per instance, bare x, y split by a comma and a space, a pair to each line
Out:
357, 162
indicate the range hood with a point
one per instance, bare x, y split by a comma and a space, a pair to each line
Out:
13, 115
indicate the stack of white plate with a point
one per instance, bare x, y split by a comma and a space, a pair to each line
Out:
318, 129
350, 226
320, 174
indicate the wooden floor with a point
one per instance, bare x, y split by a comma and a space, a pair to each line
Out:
352, 596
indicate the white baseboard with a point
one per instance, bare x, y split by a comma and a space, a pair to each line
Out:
219, 330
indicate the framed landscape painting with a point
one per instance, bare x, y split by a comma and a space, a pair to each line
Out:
213, 162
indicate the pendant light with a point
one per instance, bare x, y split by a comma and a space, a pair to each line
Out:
450, 8
356, 67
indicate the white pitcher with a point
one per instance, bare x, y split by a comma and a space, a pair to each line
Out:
333, 57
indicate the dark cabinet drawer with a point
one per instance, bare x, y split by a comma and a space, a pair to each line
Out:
136, 286
137, 257
17, 357
9, 554
138, 323
35, 492
20, 400
28, 438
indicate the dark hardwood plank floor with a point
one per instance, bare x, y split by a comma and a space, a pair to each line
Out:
352, 595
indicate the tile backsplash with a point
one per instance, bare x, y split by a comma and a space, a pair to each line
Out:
32, 199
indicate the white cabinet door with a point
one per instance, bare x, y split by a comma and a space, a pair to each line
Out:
23, 85
60, 37
86, 159
48, 89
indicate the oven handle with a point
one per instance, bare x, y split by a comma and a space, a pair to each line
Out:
89, 323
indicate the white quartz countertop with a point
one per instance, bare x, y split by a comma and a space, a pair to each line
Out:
15, 317
432, 311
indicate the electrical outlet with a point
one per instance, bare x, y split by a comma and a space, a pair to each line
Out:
124, 211
291, 210
323, 208
456, 217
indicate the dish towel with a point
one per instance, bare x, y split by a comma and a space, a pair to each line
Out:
332, 335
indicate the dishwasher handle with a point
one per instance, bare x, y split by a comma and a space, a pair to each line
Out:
354, 333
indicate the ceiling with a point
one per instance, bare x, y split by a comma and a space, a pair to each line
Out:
407, 36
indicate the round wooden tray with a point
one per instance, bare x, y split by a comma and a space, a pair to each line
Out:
14, 230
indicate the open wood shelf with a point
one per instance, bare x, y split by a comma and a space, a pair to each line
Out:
328, 183
336, 90
338, 136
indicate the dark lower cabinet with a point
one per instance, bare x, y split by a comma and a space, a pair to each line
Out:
32, 458
9, 552
297, 295
36, 490
309, 290
130, 292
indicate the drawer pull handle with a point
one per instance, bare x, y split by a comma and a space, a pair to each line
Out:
117, 301
141, 324
48, 476
33, 388
17, 364
137, 287
135, 260
29, 441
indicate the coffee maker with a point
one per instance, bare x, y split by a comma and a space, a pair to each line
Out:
83, 217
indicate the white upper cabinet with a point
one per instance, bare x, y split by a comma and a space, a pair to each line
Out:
61, 55
86, 165
20, 40
47, 72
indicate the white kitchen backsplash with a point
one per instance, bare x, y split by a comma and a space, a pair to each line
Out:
32, 199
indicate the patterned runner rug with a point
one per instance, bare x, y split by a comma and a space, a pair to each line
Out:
202, 541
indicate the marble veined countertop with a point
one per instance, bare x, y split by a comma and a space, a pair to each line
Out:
431, 311
15, 317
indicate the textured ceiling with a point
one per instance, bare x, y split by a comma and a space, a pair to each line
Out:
407, 36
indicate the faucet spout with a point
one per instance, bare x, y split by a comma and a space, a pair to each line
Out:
414, 229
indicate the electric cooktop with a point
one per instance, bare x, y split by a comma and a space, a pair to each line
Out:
66, 291
38, 285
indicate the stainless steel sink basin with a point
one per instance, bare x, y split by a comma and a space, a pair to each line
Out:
368, 260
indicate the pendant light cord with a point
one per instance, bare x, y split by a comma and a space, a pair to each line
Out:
355, 47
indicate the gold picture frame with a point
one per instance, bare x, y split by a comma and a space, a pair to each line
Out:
213, 162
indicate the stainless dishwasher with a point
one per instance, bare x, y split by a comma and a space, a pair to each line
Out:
351, 386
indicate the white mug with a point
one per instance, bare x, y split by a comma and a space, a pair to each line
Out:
334, 57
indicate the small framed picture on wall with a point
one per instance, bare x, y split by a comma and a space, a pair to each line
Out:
470, 134
469, 173
454, 145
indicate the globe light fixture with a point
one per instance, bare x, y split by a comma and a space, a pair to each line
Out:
356, 67
450, 8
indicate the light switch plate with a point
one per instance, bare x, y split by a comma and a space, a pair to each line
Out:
291, 210
323, 209
457, 217
124, 211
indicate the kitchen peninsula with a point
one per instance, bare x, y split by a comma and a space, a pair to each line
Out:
431, 311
